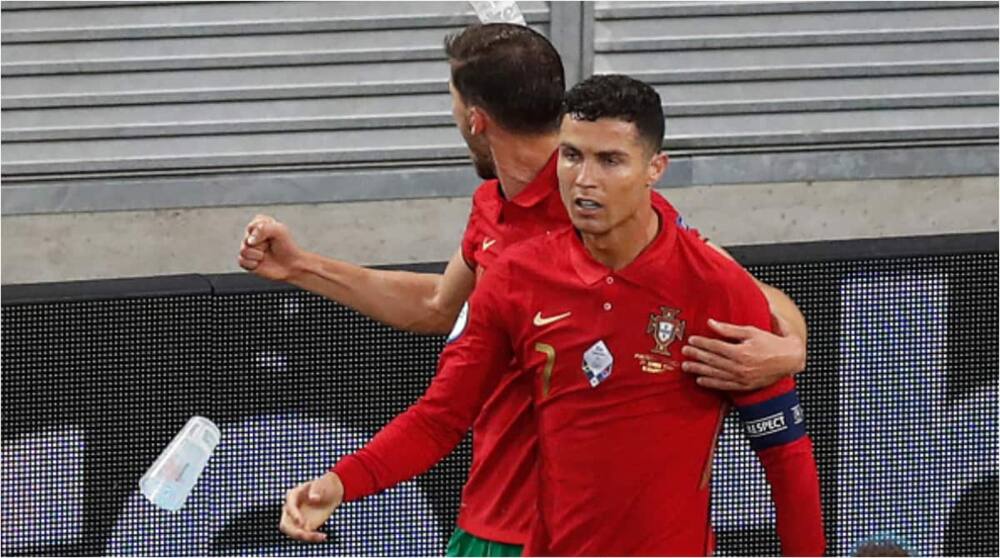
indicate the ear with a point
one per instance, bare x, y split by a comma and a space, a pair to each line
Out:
479, 121
657, 166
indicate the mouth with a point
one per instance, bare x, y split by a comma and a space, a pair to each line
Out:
587, 205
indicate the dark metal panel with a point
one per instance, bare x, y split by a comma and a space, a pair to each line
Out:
106, 289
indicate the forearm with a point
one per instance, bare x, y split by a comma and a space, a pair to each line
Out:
782, 305
405, 448
791, 472
403, 300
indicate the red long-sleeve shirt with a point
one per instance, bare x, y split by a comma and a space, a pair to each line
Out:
500, 492
623, 458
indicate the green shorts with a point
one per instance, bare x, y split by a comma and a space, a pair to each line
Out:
463, 543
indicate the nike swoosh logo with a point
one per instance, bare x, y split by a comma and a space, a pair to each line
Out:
540, 321
487, 243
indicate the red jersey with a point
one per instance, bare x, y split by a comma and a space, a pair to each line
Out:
499, 497
626, 440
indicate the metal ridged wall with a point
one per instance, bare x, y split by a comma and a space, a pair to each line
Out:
148, 105
161, 88
797, 74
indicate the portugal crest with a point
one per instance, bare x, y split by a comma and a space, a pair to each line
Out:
665, 329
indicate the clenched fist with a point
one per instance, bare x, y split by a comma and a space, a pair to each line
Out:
268, 251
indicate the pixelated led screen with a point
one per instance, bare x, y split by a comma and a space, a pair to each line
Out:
900, 396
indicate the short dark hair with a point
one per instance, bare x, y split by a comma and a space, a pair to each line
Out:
622, 98
512, 72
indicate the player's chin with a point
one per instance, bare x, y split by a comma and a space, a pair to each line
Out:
588, 222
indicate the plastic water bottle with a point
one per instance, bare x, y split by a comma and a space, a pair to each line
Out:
169, 481
499, 11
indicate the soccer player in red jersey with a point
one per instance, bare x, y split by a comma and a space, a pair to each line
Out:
512, 138
593, 316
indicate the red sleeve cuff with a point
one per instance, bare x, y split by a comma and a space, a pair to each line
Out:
356, 479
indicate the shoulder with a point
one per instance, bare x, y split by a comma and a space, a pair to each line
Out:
730, 292
536, 254
711, 267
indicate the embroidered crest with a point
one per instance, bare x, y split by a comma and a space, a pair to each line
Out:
665, 329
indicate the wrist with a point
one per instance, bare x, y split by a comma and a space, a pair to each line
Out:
354, 480
301, 266
798, 356
333, 479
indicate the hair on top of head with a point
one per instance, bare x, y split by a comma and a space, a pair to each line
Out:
622, 98
511, 71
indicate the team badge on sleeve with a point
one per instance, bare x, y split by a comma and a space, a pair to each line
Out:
597, 362
460, 323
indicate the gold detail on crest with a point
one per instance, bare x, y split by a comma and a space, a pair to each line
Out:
665, 329
653, 365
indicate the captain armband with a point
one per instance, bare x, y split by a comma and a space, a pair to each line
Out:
774, 422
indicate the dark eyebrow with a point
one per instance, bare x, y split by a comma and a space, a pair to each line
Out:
613, 153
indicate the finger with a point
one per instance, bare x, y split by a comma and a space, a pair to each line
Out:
293, 500
256, 221
248, 265
709, 358
252, 254
260, 231
732, 331
293, 514
726, 349
313, 536
287, 527
712, 383
302, 534
700, 369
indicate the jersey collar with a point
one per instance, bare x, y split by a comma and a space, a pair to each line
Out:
640, 270
536, 191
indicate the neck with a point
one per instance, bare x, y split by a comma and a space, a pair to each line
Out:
519, 159
622, 245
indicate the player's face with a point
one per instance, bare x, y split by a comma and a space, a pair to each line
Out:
605, 172
479, 148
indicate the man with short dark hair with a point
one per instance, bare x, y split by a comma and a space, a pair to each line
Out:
594, 315
507, 110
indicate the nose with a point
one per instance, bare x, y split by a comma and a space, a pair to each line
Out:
586, 177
